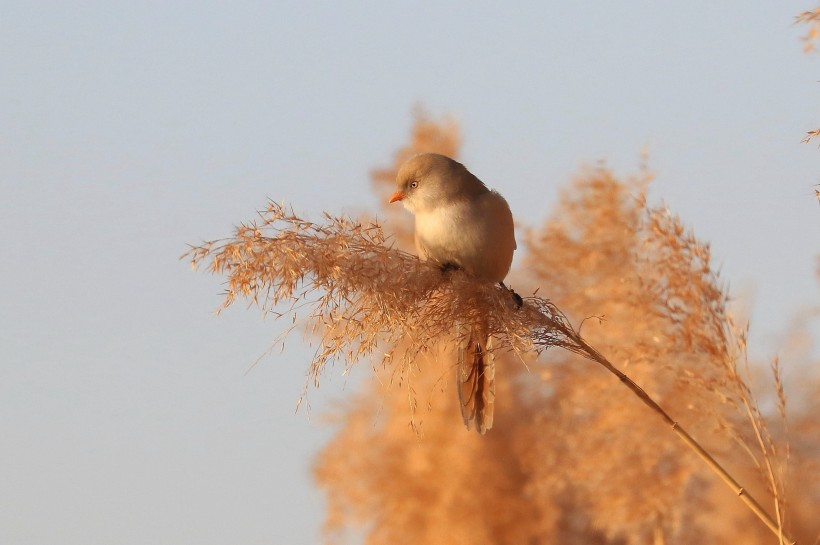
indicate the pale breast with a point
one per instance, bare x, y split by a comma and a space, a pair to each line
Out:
477, 235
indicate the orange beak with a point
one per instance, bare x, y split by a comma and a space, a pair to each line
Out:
397, 196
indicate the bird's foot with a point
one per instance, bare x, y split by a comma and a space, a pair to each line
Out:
449, 266
519, 302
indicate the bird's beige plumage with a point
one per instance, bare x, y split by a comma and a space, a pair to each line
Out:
461, 223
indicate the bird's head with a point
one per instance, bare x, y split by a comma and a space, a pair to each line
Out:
429, 180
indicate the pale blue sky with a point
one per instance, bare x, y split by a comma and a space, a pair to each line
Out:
132, 128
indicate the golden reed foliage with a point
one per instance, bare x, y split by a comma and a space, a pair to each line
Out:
571, 458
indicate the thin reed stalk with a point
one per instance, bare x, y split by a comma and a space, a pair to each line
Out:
581, 347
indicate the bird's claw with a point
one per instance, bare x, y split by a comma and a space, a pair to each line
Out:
449, 266
519, 302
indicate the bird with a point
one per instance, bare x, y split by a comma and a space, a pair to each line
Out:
462, 224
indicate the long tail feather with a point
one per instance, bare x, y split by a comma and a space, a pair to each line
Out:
476, 380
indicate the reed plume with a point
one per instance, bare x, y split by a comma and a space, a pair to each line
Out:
569, 458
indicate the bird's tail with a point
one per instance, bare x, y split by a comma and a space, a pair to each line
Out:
476, 381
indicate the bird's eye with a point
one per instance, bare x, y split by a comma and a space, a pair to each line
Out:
414, 184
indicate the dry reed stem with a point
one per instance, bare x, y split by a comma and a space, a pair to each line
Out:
584, 349
810, 135
365, 294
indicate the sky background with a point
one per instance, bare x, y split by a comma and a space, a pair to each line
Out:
128, 129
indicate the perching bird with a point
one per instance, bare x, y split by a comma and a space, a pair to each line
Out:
460, 223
